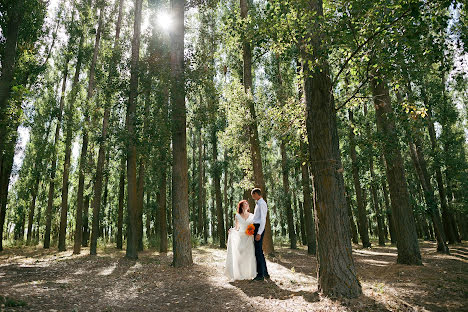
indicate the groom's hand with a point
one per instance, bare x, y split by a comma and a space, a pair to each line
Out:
257, 237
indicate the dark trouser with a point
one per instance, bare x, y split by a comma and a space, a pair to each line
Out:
261, 264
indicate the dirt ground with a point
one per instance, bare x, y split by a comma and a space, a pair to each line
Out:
34, 279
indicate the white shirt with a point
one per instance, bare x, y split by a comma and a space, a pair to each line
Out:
260, 214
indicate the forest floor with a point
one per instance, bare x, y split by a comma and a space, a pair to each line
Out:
34, 279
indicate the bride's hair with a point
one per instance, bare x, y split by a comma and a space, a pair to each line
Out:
240, 206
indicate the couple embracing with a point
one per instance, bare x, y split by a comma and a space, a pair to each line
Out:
245, 259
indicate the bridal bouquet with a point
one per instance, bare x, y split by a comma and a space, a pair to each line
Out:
250, 230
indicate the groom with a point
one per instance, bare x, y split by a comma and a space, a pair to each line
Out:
259, 222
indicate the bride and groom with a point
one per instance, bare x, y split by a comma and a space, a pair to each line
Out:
245, 259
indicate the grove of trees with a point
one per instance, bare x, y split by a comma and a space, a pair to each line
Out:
141, 124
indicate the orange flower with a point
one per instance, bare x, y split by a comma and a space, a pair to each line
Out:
250, 230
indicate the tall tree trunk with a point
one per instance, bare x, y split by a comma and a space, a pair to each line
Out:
32, 207
287, 196
375, 199
308, 208
253, 130
85, 238
8, 60
446, 212
362, 213
201, 186
302, 223
182, 245
50, 200
227, 207
354, 234
6, 166
336, 270
388, 209
217, 188
148, 215
141, 179
161, 198
121, 203
205, 212
407, 241
68, 143
421, 169
132, 203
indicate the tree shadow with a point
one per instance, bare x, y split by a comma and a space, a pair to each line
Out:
428, 286
268, 289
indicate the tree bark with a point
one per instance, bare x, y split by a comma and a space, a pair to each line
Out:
287, 196
68, 142
201, 186
225, 192
6, 166
336, 270
217, 186
8, 59
354, 234
32, 207
402, 213
182, 245
421, 169
256, 156
121, 203
50, 200
446, 211
132, 203
388, 209
362, 213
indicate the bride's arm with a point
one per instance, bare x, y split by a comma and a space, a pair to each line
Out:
237, 225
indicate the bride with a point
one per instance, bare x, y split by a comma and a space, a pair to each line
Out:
240, 261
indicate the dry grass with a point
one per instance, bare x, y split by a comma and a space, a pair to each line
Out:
47, 280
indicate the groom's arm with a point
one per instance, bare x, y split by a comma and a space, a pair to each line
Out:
264, 209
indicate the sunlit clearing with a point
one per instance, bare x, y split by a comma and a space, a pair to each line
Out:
165, 20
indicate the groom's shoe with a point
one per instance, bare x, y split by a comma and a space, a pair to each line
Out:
258, 278
267, 276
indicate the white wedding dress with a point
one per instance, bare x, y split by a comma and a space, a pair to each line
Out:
240, 261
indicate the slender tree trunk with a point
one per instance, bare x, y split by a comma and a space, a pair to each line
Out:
447, 224
421, 169
201, 186
362, 213
354, 234
375, 200
182, 245
388, 209
256, 156
132, 203
68, 143
380, 220
148, 216
85, 239
50, 200
205, 212
217, 187
121, 203
407, 241
141, 179
287, 196
302, 223
308, 208
225, 192
32, 207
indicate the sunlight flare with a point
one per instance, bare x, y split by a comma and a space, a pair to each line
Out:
165, 20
